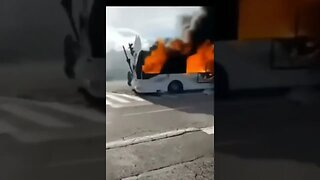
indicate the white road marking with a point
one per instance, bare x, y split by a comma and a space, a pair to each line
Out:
108, 102
117, 100
132, 97
34, 116
129, 105
156, 111
208, 130
113, 97
90, 115
114, 105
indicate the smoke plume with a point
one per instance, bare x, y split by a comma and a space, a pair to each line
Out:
216, 23
201, 28
197, 50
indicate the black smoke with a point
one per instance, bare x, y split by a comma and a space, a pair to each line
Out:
202, 29
218, 22
177, 63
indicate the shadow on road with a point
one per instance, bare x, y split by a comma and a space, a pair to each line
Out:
189, 102
268, 128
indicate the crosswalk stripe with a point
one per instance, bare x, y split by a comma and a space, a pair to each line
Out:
108, 102
113, 97
128, 105
33, 116
111, 104
131, 97
90, 115
121, 100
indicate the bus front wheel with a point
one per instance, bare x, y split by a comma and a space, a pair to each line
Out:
175, 87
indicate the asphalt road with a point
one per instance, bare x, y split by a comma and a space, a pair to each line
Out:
49, 140
158, 158
277, 139
158, 137
47, 129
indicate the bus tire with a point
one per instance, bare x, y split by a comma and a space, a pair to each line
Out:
175, 87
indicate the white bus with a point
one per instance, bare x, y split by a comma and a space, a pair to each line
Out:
161, 83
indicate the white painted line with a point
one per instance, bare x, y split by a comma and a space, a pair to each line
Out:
116, 105
155, 111
6, 127
113, 97
108, 102
90, 115
208, 130
129, 105
34, 116
138, 140
132, 97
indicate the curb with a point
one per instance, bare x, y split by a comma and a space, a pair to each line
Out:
138, 140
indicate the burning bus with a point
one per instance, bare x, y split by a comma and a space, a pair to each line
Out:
170, 66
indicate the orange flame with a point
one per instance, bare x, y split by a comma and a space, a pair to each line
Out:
202, 61
179, 45
154, 63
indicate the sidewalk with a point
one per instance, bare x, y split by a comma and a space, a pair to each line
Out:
199, 169
171, 158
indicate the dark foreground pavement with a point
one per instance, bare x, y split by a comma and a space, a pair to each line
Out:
41, 140
188, 156
159, 137
277, 139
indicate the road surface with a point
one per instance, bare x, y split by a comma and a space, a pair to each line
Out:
50, 140
274, 137
47, 129
158, 137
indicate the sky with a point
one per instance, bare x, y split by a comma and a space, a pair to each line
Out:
150, 23
35, 29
